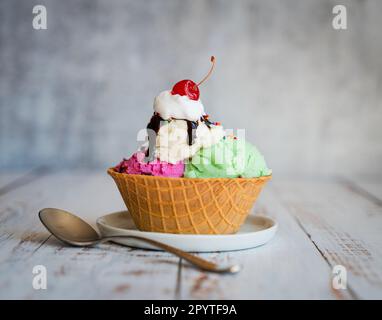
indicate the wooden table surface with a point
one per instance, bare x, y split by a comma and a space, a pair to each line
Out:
322, 223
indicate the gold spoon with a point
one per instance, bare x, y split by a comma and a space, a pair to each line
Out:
74, 231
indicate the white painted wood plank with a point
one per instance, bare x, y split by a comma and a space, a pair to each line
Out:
346, 227
12, 179
109, 272
288, 267
371, 189
6, 178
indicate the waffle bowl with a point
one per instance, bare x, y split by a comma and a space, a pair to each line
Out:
188, 205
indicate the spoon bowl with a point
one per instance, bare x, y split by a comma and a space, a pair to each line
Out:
68, 227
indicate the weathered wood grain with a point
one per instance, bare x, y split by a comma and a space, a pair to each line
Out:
108, 271
321, 224
344, 225
370, 188
288, 267
105, 272
14, 179
6, 178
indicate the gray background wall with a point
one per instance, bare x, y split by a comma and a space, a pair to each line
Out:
76, 94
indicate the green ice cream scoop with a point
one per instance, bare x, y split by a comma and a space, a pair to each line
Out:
229, 158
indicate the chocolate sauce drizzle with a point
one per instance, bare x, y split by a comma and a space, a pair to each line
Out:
155, 123
191, 131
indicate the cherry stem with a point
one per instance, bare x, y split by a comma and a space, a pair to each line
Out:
209, 72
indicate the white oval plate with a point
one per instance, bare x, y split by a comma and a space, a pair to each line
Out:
256, 231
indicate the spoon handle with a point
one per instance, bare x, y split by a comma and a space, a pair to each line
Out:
194, 260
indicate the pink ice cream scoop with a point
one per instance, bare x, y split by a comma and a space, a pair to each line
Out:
137, 165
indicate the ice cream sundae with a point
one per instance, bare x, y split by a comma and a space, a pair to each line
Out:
190, 176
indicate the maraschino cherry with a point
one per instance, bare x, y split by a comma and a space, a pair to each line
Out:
190, 88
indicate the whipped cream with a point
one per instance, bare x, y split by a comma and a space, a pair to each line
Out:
178, 107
